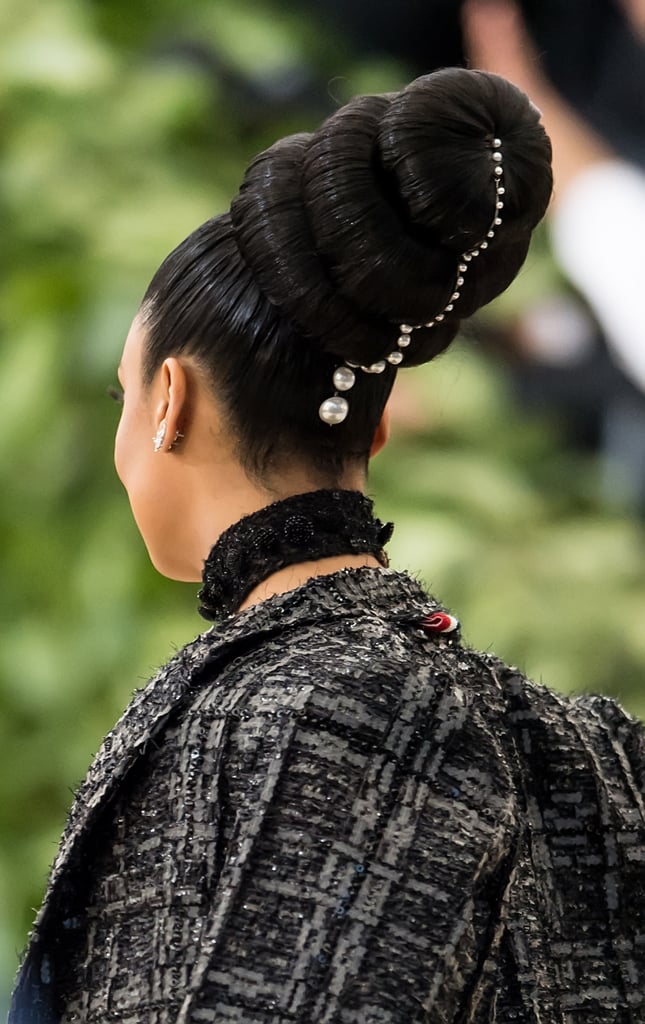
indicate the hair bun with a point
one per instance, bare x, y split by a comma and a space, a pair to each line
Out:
436, 140
359, 226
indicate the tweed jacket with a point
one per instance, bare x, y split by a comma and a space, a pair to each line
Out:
319, 812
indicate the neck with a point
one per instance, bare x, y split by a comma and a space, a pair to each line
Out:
294, 576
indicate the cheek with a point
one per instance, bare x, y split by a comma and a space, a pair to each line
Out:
133, 449
119, 450
141, 471
123, 448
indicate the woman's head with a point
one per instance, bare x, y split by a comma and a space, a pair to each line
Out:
334, 239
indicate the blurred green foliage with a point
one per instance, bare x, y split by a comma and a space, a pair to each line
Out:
120, 135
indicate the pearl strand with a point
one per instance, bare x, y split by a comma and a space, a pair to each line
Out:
335, 409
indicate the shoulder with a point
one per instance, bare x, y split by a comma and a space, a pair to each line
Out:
345, 692
368, 659
322, 718
575, 744
623, 735
528, 699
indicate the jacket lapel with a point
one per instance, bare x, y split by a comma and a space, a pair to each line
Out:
144, 716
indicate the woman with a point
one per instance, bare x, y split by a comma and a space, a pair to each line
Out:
326, 808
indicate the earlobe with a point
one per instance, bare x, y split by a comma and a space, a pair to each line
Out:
382, 433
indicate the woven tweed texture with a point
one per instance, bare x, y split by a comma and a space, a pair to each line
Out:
320, 813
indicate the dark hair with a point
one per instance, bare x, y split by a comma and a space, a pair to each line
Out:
334, 239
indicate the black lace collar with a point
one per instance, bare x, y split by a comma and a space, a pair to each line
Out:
302, 528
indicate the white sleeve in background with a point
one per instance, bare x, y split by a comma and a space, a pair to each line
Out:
598, 237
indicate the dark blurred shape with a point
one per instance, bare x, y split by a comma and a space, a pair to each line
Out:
589, 50
595, 60
424, 33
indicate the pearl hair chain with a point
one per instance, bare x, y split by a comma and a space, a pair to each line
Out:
334, 410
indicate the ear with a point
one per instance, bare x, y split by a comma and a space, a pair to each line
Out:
382, 432
172, 399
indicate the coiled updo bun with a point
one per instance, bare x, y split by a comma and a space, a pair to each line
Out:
336, 237
359, 226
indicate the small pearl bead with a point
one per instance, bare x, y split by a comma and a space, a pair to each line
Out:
462, 268
460, 281
498, 171
404, 341
374, 367
475, 252
439, 317
344, 378
497, 143
449, 307
333, 410
483, 245
395, 358
491, 234
500, 205
497, 157
467, 257
501, 190
497, 221
405, 329
455, 296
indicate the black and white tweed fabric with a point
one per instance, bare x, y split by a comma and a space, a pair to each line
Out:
319, 813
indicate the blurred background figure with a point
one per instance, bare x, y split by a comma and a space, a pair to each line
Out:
124, 125
592, 50
597, 215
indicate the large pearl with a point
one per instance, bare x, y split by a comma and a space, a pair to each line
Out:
334, 410
344, 378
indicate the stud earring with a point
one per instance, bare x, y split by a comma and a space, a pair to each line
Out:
159, 437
